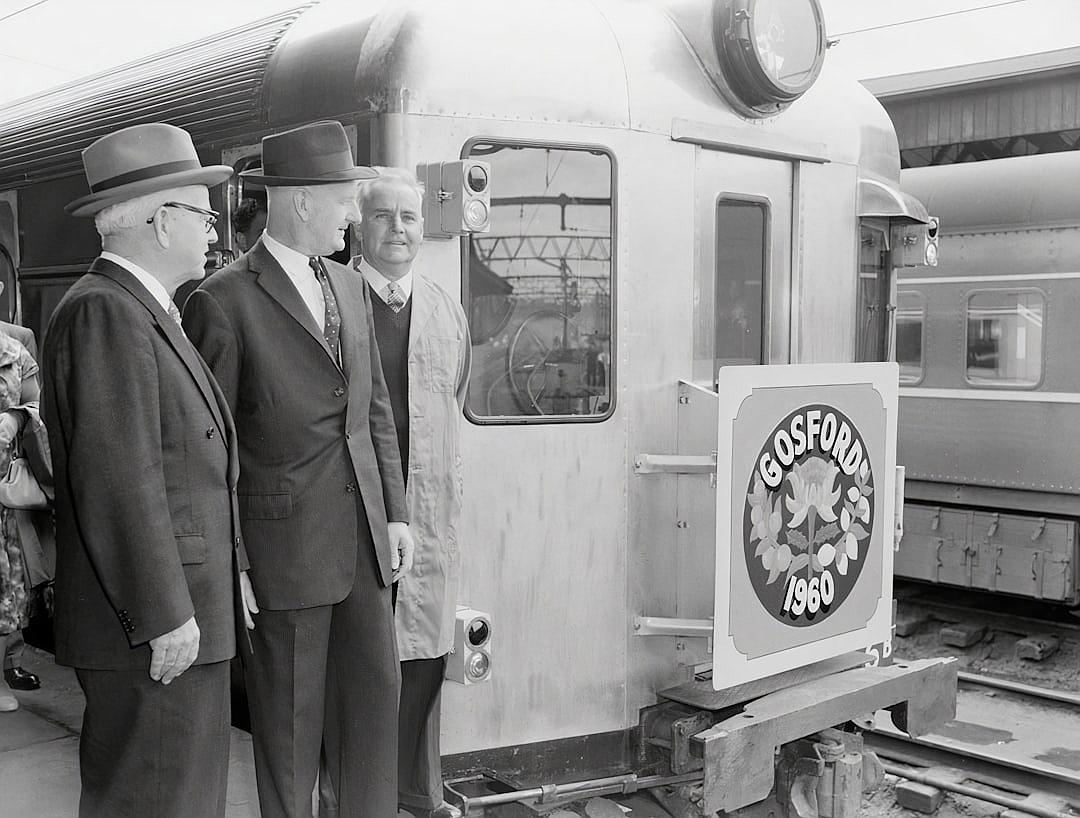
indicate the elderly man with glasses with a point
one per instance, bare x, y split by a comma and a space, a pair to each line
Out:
149, 550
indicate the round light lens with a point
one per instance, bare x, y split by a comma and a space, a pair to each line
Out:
931, 255
477, 179
476, 214
478, 666
786, 39
478, 633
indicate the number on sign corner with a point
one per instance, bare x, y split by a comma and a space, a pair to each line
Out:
809, 595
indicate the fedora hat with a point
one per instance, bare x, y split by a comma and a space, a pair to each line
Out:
139, 160
313, 154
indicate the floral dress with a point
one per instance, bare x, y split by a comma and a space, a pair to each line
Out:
16, 365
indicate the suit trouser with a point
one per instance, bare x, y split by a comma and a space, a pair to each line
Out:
419, 760
14, 651
327, 678
149, 749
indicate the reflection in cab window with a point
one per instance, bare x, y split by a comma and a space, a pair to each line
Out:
910, 315
1004, 337
539, 287
740, 281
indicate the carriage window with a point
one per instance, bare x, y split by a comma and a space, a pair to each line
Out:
873, 292
740, 278
538, 287
910, 317
1004, 337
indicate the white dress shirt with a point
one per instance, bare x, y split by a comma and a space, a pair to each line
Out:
299, 271
155, 287
379, 282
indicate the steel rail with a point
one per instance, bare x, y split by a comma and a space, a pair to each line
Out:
1020, 805
1033, 691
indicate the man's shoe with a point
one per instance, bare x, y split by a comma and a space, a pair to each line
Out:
19, 679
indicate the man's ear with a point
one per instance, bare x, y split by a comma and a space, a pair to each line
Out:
302, 203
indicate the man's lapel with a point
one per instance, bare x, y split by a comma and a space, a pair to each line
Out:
275, 281
423, 307
170, 330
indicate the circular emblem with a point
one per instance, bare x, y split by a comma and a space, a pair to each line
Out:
808, 515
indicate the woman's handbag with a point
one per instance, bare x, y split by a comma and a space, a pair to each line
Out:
19, 488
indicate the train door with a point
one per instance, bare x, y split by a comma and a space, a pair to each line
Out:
742, 276
743, 207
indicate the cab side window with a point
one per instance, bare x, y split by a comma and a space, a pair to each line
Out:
538, 288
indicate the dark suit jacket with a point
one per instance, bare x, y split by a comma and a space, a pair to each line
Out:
145, 464
316, 439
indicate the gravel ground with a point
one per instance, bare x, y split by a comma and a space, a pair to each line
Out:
882, 804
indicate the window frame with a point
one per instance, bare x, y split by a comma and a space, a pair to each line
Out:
923, 302
968, 295
464, 240
764, 203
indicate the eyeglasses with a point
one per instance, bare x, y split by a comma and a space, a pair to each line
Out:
211, 215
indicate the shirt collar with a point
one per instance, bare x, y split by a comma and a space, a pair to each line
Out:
291, 260
153, 286
378, 281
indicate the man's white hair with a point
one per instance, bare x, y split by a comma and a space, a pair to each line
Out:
131, 213
403, 175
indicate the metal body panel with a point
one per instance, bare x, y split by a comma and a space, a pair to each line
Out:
825, 251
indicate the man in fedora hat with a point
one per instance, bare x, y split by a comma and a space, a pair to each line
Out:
145, 458
322, 502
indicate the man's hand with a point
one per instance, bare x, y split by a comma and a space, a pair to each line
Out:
247, 595
9, 429
401, 549
174, 652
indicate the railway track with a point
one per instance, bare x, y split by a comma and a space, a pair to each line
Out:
1014, 744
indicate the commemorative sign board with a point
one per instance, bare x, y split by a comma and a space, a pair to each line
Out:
806, 464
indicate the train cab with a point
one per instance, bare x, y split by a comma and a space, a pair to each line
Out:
629, 199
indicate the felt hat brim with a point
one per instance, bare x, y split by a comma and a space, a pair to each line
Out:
356, 174
93, 203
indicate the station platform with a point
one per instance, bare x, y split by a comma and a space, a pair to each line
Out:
39, 750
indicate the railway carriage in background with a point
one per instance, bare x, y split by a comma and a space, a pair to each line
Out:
990, 387
628, 197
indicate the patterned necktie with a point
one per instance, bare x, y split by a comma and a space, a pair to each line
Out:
174, 314
332, 318
394, 299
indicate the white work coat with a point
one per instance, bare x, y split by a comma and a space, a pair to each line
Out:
439, 361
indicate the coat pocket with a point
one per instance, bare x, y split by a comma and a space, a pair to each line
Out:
441, 364
192, 548
265, 506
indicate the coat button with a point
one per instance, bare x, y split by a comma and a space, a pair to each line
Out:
350, 487
339, 391
211, 432
348, 436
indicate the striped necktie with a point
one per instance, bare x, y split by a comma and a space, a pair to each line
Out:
393, 297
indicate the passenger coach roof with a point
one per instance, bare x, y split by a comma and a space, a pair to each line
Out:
1000, 194
625, 64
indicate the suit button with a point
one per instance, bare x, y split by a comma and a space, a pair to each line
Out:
348, 436
211, 432
339, 391
350, 487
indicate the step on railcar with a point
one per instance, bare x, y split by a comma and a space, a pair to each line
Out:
627, 196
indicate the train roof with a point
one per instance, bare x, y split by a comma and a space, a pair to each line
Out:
1000, 194
627, 64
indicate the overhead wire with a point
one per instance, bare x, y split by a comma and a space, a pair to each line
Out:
24, 8
931, 17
